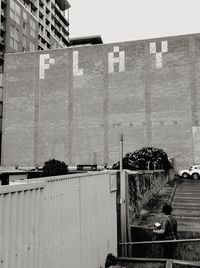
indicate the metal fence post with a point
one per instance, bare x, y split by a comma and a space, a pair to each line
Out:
123, 210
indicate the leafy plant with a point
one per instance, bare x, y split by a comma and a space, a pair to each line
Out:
54, 167
145, 159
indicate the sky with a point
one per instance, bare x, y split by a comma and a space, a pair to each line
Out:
127, 20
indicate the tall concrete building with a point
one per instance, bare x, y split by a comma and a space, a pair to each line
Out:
28, 25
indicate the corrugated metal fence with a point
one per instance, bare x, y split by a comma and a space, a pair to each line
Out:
20, 225
59, 222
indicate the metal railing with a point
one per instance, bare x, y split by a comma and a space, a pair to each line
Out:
149, 262
128, 248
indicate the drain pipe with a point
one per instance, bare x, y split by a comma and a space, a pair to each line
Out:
123, 216
121, 152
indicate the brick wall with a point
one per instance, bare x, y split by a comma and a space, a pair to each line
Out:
74, 104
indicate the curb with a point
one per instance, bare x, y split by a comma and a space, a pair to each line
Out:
173, 193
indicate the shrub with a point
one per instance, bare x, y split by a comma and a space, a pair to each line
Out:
54, 167
144, 159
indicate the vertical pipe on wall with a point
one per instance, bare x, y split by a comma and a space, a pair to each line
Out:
36, 113
105, 109
147, 98
121, 151
122, 200
194, 101
70, 87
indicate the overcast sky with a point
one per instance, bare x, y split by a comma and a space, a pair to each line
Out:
127, 20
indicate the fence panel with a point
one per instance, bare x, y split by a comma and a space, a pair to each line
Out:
61, 229
98, 217
20, 214
80, 220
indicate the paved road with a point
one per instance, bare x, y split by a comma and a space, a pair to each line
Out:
186, 205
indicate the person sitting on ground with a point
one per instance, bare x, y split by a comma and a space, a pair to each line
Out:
168, 231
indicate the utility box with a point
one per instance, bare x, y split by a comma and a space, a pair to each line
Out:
86, 167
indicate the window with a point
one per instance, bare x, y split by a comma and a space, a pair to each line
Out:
32, 24
25, 16
24, 40
32, 46
15, 11
24, 43
14, 37
1, 109
12, 4
24, 28
32, 33
33, 27
12, 14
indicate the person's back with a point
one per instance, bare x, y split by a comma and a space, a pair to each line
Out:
168, 231
170, 227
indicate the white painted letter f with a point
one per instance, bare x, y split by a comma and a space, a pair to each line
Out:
44, 65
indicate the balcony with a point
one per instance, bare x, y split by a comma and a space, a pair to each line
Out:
41, 21
48, 27
2, 44
40, 32
3, 3
48, 5
58, 30
53, 12
57, 7
1, 57
65, 41
57, 21
42, 45
3, 15
48, 20
3, 29
65, 31
41, 10
47, 10
60, 16
34, 12
63, 4
1, 87
48, 16
44, 37
33, 3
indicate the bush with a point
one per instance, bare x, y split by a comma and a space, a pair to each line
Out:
144, 159
54, 167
